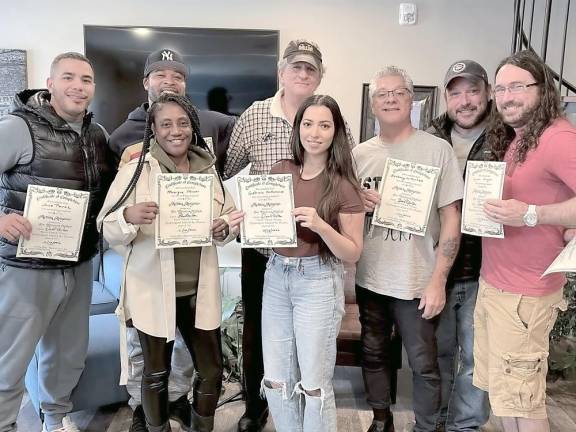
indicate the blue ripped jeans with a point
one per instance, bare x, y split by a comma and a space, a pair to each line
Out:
302, 308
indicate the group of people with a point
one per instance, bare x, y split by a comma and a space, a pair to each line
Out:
473, 313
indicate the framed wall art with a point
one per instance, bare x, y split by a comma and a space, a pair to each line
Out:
13, 77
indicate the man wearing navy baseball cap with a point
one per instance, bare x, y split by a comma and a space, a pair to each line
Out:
463, 406
165, 59
164, 71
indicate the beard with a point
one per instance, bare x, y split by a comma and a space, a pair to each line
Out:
520, 118
472, 122
153, 95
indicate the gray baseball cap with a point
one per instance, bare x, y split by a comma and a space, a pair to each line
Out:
165, 59
465, 69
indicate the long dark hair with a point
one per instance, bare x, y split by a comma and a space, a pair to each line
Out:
197, 140
339, 164
499, 135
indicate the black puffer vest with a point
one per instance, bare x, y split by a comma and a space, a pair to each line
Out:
61, 158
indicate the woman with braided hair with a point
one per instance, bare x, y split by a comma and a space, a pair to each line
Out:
165, 288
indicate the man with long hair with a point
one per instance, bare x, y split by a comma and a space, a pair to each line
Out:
516, 306
400, 277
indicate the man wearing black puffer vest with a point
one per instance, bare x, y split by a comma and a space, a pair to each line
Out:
463, 406
49, 139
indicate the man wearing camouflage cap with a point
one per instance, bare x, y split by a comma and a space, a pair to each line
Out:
261, 137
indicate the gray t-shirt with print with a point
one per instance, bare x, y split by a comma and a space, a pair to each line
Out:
395, 263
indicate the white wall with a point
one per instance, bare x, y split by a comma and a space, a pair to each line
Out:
356, 36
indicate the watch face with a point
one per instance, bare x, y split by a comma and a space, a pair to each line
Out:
530, 219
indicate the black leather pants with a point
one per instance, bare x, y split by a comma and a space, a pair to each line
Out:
206, 351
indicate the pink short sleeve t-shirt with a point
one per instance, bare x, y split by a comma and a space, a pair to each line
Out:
547, 176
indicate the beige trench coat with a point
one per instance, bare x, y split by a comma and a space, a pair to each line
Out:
148, 294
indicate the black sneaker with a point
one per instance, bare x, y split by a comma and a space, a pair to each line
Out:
181, 411
249, 424
138, 420
382, 426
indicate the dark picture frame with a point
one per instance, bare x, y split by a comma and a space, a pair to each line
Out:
13, 76
423, 110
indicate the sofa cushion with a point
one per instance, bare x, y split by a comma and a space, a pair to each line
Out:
112, 274
102, 301
350, 327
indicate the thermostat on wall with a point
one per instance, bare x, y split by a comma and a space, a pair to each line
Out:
408, 13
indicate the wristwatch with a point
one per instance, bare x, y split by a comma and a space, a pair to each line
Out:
530, 217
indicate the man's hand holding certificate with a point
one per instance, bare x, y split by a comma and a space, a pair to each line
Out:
407, 192
57, 217
484, 180
267, 202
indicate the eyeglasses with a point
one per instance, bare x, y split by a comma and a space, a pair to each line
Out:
399, 93
499, 91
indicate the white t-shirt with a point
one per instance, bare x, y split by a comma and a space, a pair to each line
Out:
395, 263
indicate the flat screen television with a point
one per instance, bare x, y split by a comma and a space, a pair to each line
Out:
234, 67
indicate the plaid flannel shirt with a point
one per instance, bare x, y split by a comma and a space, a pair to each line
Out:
261, 136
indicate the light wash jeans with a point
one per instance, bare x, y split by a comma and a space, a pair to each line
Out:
464, 407
302, 308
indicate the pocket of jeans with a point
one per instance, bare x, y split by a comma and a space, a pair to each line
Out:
524, 380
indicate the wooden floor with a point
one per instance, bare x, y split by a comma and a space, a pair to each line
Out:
353, 412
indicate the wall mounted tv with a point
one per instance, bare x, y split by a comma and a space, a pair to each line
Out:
235, 66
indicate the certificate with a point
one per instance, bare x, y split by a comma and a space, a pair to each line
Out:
267, 201
407, 192
566, 261
57, 217
484, 180
184, 210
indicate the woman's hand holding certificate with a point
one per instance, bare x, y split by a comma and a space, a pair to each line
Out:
185, 210
268, 203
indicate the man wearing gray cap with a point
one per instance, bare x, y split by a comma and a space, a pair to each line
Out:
464, 407
164, 71
261, 137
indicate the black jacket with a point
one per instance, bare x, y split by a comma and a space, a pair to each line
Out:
61, 158
469, 259
212, 125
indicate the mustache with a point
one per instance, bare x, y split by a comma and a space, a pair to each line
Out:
511, 104
468, 107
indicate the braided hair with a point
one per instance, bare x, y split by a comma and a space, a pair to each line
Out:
165, 98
